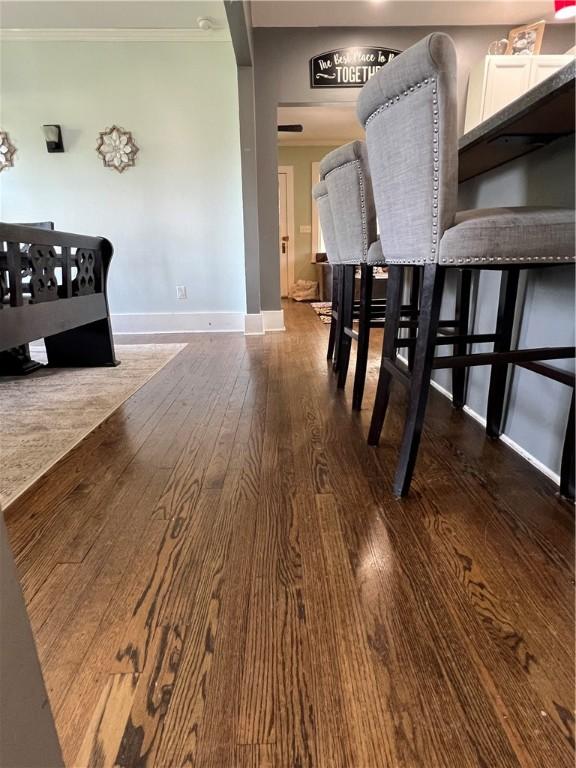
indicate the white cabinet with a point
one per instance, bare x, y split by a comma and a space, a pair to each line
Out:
544, 66
498, 80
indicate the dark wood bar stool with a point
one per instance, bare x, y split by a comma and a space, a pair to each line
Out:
351, 205
346, 175
320, 194
409, 111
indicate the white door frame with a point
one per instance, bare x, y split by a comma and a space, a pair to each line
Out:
315, 172
289, 171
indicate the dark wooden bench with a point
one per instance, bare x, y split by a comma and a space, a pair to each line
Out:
53, 287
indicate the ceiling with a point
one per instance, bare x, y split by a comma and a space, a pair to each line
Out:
182, 14
322, 125
109, 14
396, 13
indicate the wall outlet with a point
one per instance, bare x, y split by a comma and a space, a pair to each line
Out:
181, 292
305, 229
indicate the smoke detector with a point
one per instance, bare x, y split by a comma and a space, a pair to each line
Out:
205, 23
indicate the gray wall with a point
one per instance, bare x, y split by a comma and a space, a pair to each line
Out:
238, 14
281, 77
537, 408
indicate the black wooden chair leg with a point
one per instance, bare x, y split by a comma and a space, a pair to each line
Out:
459, 375
347, 312
413, 301
339, 320
88, 345
366, 283
568, 458
333, 311
499, 373
17, 361
393, 305
430, 303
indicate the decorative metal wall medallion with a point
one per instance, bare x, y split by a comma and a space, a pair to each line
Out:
117, 148
7, 150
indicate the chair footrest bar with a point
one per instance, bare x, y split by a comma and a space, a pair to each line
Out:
551, 372
453, 339
504, 358
398, 370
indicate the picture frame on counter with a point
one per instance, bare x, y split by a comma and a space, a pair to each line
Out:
526, 40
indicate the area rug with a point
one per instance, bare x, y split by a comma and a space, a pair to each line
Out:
46, 414
323, 310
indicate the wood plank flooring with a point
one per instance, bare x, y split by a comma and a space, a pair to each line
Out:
219, 577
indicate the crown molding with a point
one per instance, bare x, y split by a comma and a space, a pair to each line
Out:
148, 35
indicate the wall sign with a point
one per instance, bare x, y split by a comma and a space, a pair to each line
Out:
348, 67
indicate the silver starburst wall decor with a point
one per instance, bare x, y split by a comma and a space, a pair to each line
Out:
117, 148
7, 151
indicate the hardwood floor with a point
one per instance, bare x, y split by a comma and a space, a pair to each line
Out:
218, 576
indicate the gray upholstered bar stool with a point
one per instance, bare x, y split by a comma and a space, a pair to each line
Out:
320, 194
409, 111
346, 174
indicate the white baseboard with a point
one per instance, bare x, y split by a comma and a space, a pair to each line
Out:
505, 438
253, 324
266, 321
273, 320
178, 322
516, 447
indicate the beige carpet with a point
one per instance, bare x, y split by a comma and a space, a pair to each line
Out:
44, 415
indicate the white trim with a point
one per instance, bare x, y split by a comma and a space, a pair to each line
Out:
516, 447
505, 439
289, 171
273, 320
441, 389
315, 238
178, 322
253, 324
144, 35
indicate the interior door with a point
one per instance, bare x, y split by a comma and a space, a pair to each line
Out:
284, 236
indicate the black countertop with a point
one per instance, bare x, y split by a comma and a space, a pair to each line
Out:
540, 116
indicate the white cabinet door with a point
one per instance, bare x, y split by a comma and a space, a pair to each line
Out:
507, 78
544, 66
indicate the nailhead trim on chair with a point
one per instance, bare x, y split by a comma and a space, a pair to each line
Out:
393, 99
436, 186
435, 162
436, 174
509, 260
362, 204
363, 207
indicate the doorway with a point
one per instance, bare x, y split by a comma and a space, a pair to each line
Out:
286, 227
306, 133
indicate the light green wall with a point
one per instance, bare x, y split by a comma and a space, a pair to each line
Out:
301, 158
176, 217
